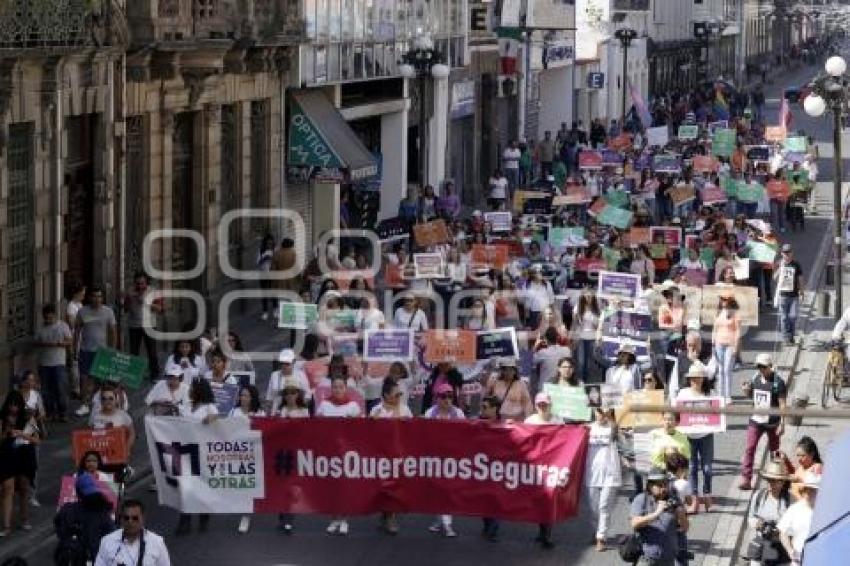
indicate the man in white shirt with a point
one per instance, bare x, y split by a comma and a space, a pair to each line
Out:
132, 544
797, 520
510, 163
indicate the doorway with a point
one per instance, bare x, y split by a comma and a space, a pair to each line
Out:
79, 182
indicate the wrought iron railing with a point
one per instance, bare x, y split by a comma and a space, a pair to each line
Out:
61, 24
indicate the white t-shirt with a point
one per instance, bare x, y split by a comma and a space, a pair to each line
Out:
381, 412
603, 462
162, 394
276, 382
537, 419
498, 188
795, 523
115, 550
329, 409
402, 319
195, 369
98, 420
371, 319
198, 413
297, 413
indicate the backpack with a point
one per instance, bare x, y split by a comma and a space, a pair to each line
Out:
71, 549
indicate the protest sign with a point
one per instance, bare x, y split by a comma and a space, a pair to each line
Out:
657, 136
682, 194
761, 252
297, 315
629, 419
491, 473
642, 449
458, 346
696, 277
746, 297
574, 193
627, 323
694, 423
668, 235
666, 163
712, 194
796, 144
213, 468
749, 192
226, 396
590, 265
345, 344
613, 216
718, 125
590, 160
388, 345
704, 164
692, 241
774, 134
519, 199
68, 490
568, 403
594, 396
343, 320
741, 266
610, 346
112, 365
758, 153
610, 396
623, 142
538, 205
611, 158
565, 236
391, 229
431, 233
499, 221
723, 142
637, 236
778, 189
428, 266
110, 443
497, 343
624, 286
729, 185
495, 255
688, 132
617, 198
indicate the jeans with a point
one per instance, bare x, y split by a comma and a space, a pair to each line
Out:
491, 527
731, 207
748, 209
754, 432
702, 456
788, 306
777, 214
584, 358
55, 389
137, 336
513, 178
725, 363
602, 498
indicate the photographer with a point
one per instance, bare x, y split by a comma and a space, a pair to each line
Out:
768, 506
133, 544
658, 517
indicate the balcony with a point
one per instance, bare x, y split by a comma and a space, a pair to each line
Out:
631, 5
257, 21
61, 25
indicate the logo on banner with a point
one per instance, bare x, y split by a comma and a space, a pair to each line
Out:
176, 452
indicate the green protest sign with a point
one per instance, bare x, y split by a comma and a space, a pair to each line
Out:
620, 199
761, 252
614, 216
749, 192
796, 144
688, 132
345, 318
558, 235
112, 365
568, 403
297, 315
729, 185
723, 143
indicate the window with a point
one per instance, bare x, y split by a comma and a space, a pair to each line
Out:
19, 223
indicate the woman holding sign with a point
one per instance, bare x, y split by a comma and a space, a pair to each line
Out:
110, 416
702, 444
602, 472
17, 459
444, 409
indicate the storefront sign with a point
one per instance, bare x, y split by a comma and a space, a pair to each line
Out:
307, 146
596, 80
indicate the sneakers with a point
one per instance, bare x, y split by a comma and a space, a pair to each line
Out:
333, 528
436, 527
82, 411
343, 528
34, 501
287, 528
448, 532
244, 524
391, 525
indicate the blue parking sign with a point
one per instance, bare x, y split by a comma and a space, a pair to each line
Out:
595, 80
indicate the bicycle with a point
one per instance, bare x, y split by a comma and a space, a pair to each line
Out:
835, 376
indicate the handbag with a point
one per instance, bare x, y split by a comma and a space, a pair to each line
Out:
630, 548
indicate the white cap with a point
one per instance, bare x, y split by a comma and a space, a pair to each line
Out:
286, 356
764, 360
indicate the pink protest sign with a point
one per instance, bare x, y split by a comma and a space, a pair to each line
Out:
696, 423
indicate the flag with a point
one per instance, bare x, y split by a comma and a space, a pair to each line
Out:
640, 105
785, 115
721, 106
509, 39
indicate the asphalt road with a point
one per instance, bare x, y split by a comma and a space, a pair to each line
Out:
414, 545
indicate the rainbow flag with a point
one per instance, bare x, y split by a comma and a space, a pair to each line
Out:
640, 104
721, 105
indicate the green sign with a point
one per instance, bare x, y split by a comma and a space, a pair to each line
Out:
611, 257
749, 192
568, 403
706, 254
620, 199
723, 143
761, 252
729, 185
297, 315
796, 144
307, 145
558, 235
344, 318
112, 365
688, 132
613, 216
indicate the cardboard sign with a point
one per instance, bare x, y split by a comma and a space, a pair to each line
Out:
431, 233
428, 266
297, 315
778, 189
667, 163
622, 286
388, 345
723, 142
746, 297
668, 235
619, 218
682, 194
568, 403
704, 164
657, 137
112, 365
637, 236
775, 134
495, 255
499, 221
712, 194
457, 346
688, 132
741, 267
694, 423
110, 443
628, 419
590, 160
498, 343
642, 449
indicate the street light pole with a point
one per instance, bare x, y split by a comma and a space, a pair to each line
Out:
625, 35
836, 203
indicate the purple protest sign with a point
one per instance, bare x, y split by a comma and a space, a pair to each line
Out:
388, 345
611, 158
623, 286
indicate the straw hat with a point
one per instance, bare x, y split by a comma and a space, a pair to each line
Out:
774, 470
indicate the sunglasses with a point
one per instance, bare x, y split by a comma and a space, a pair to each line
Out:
649, 379
110, 398
443, 396
133, 518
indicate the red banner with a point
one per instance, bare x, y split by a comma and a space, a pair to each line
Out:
110, 443
354, 467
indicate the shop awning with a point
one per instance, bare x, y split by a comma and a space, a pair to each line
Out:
320, 137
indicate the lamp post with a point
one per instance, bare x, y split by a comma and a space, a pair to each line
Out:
626, 36
421, 62
832, 90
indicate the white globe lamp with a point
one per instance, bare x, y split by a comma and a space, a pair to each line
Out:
406, 71
835, 66
814, 105
440, 71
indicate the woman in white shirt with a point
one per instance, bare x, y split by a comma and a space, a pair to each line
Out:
796, 522
543, 416
585, 324
538, 295
338, 405
625, 374
167, 395
247, 406
409, 315
187, 358
444, 409
603, 475
369, 316
201, 409
702, 444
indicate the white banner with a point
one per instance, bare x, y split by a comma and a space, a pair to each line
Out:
214, 468
658, 136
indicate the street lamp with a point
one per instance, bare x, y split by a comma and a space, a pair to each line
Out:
421, 62
831, 90
626, 36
